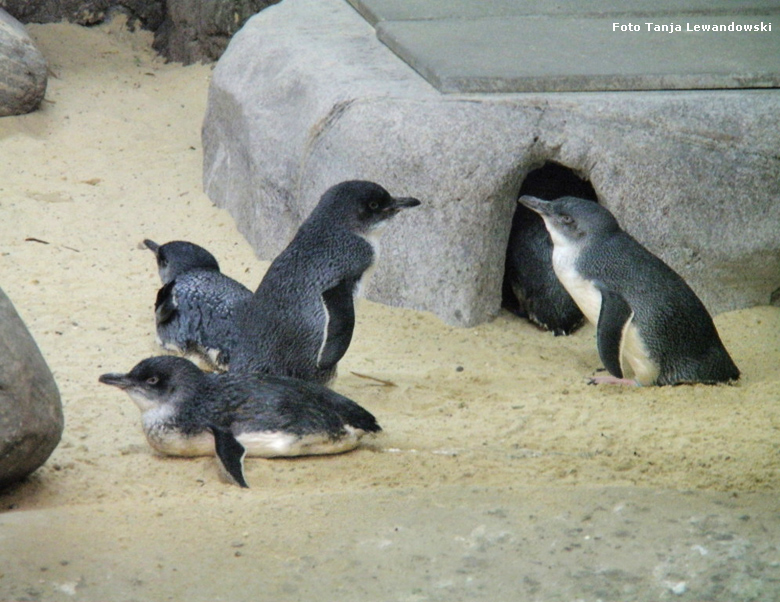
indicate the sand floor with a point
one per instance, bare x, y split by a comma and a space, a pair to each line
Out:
501, 474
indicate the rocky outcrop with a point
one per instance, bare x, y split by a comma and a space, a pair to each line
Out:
199, 30
149, 13
31, 420
306, 96
186, 31
22, 69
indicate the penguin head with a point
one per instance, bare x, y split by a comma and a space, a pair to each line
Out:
360, 206
157, 381
179, 256
570, 220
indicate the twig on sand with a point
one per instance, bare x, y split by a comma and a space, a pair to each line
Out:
384, 383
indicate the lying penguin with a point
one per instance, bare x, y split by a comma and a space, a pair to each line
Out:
300, 320
188, 412
196, 308
650, 324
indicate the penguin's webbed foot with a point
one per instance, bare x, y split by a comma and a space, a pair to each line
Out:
612, 380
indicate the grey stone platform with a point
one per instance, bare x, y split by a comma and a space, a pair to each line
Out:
306, 96
524, 46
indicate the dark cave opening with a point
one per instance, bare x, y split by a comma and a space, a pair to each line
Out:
530, 288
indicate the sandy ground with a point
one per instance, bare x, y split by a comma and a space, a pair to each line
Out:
501, 474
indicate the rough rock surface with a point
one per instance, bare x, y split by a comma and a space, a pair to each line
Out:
85, 12
22, 69
31, 420
199, 30
186, 31
306, 96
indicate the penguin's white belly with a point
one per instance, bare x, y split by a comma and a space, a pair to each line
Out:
173, 443
279, 444
257, 444
585, 294
635, 361
371, 238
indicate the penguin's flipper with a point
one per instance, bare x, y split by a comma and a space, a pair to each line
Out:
165, 305
231, 453
613, 317
339, 304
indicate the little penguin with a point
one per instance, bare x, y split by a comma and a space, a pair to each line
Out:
188, 412
300, 320
648, 320
197, 306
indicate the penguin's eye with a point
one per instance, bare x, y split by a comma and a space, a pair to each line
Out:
152, 380
567, 220
373, 205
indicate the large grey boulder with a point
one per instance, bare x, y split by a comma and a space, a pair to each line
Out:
31, 420
23, 72
306, 96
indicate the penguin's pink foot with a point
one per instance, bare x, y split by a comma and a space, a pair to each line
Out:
612, 380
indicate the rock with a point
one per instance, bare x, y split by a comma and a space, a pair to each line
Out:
306, 96
149, 13
31, 420
22, 69
199, 30
186, 31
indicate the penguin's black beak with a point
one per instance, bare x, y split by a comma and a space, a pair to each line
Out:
403, 203
151, 245
116, 380
535, 204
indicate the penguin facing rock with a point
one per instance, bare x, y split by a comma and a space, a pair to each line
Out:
300, 320
196, 308
188, 412
650, 324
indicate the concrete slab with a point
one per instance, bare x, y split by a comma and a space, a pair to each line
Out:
559, 54
504, 46
415, 10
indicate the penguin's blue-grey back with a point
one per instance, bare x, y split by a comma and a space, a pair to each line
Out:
197, 308
300, 320
664, 304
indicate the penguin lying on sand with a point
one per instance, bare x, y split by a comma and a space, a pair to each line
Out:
196, 307
300, 320
188, 412
649, 321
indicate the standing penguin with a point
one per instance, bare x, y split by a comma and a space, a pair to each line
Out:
188, 412
649, 321
300, 320
196, 307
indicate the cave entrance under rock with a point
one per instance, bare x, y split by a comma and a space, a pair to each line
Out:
530, 288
